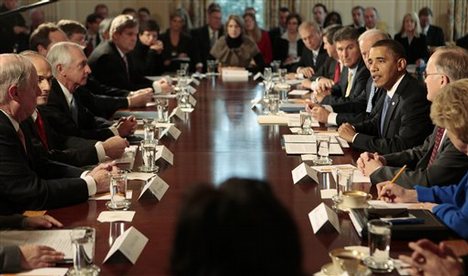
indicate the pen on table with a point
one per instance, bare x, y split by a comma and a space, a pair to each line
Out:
396, 177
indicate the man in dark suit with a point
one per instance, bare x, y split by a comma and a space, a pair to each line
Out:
203, 38
28, 180
66, 149
404, 120
313, 55
64, 111
434, 35
276, 32
432, 163
358, 108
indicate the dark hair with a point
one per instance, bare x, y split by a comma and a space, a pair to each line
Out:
237, 229
294, 15
92, 18
128, 11
98, 6
283, 9
358, 8
144, 9
213, 7
426, 11
394, 46
70, 27
346, 33
332, 18
40, 36
150, 26
322, 6
330, 31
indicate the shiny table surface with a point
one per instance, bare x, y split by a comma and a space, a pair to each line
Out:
220, 139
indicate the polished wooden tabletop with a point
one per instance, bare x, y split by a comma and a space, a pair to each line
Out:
220, 139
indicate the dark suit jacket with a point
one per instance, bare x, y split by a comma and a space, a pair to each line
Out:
357, 90
463, 42
449, 166
327, 70
354, 111
201, 45
435, 36
66, 149
147, 62
281, 47
171, 52
406, 124
58, 114
307, 59
109, 68
31, 182
416, 50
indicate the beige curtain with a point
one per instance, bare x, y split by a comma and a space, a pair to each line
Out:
272, 7
458, 23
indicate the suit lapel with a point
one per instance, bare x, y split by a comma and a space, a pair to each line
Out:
344, 80
394, 103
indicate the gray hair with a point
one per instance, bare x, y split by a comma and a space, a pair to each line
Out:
307, 25
373, 32
105, 25
14, 70
60, 54
122, 22
451, 61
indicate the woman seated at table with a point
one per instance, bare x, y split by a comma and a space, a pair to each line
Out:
449, 203
235, 49
239, 228
288, 48
176, 43
412, 39
261, 37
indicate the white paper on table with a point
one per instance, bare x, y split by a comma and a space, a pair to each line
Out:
128, 156
380, 204
235, 75
294, 120
358, 177
139, 176
272, 119
343, 143
295, 130
150, 104
130, 243
300, 148
335, 149
165, 96
288, 138
308, 157
298, 92
107, 196
157, 186
111, 216
47, 271
187, 109
327, 193
293, 82
164, 125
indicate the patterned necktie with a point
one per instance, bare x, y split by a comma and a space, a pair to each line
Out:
371, 97
212, 38
350, 84
437, 141
337, 75
384, 113
41, 131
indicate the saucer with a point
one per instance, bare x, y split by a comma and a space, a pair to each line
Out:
331, 270
345, 208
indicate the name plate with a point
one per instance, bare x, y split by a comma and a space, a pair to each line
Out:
195, 81
165, 154
257, 76
192, 101
157, 186
131, 243
322, 217
177, 112
303, 171
171, 131
191, 90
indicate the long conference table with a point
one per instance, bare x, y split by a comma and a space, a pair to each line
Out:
220, 139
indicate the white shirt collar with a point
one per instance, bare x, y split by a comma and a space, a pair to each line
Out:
392, 91
34, 115
12, 120
66, 93
122, 55
425, 29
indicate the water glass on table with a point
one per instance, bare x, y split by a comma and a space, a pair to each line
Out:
162, 107
211, 67
344, 182
82, 241
379, 239
148, 153
150, 130
273, 103
118, 191
305, 120
323, 150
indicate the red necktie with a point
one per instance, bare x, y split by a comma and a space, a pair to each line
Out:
41, 131
435, 149
337, 75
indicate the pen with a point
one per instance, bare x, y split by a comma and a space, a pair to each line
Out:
398, 174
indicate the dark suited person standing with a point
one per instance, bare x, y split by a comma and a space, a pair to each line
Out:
404, 120
28, 180
204, 38
434, 34
437, 161
276, 32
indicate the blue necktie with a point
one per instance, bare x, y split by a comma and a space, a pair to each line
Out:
384, 113
371, 96
74, 110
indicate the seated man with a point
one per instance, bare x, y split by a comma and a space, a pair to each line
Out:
404, 120
449, 203
66, 149
27, 256
64, 111
313, 55
428, 164
28, 180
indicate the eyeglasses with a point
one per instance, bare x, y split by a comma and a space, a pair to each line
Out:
426, 74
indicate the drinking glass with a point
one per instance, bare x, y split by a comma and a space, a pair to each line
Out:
118, 190
184, 67
344, 182
305, 119
273, 103
267, 74
379, 237
275, 65
150, 129
283, 90
82, 240
163, 113
282, 74
210, 67
148, 153
323, 150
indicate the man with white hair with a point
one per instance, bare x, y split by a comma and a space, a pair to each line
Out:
111, 63
29, 181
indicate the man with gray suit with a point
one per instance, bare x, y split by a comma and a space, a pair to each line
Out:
437, 161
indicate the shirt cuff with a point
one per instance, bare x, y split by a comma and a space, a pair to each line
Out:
354, 137
101, 153
90, 183
424, 194
331, 120
328, 107
114, 130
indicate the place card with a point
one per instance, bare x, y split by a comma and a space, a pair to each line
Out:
191, 90
298, 92
165, 154
46, 271
177, 112
258, 75
302, 171
235, 75
255, 102
172, 131
294, 82
195, 81
111, 216
322, 217
187, 109
192, 101
131, 243
157, 186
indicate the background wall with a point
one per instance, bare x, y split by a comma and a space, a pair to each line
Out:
391, 11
